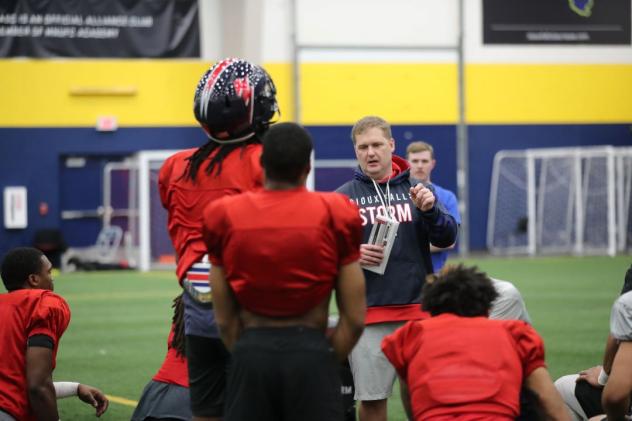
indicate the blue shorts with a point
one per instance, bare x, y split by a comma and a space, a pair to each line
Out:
199, 319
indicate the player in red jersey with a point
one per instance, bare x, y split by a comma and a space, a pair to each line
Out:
460, 365
277, 254
234, 103
33, 321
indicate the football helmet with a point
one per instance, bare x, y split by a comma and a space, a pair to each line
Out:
234, 100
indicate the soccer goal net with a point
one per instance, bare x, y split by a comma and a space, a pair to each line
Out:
131, 201
560, 201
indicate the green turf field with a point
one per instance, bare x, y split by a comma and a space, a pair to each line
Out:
120, 320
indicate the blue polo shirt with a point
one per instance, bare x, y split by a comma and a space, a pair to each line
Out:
449, 202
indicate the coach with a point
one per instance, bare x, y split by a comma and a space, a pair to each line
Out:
382, 182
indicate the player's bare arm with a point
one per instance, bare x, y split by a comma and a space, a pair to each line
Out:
39, 380
351, 300
616, 394
549, 400
612, 345
225, 306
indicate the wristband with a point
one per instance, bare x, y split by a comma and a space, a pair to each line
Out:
603, 377
65, 389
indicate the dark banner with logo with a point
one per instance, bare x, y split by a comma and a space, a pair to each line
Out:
99, 28
556, 22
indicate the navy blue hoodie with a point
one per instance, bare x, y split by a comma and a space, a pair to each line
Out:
396, 294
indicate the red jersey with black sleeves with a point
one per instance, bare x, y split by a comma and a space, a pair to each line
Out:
281, 250
185, 200
464, 367
25, 313
174, 367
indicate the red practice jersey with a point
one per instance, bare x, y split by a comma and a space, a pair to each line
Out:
281, 250
464, 367
174, 368
185, 201
25, 313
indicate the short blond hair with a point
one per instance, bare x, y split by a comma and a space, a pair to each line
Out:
370, 122
419, 146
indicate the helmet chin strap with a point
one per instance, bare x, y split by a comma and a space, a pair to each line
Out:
226, 142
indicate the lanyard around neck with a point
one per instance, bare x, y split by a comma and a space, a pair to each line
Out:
387, 210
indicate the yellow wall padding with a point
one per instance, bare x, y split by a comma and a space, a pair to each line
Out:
341, 93
595, 93
73, 93
39, 92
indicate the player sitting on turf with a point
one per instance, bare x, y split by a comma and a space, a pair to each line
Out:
33, 321
459, 364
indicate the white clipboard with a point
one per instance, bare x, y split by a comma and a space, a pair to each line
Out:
383, 233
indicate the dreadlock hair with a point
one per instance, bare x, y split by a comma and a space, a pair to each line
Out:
177, 342
215, 165
464, 291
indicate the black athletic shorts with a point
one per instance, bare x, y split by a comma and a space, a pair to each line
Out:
283, 374
207, 359
347, 391
589, 398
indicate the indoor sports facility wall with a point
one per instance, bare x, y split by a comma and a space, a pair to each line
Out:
362, 59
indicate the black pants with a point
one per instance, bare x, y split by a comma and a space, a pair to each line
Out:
207, 360
347, 391
283, 374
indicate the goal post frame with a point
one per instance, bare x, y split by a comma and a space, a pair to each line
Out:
617, 186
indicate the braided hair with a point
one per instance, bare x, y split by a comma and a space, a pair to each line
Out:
214, 167
177, 342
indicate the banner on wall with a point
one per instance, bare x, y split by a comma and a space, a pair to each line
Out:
556, 22
15, 208
99, 28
